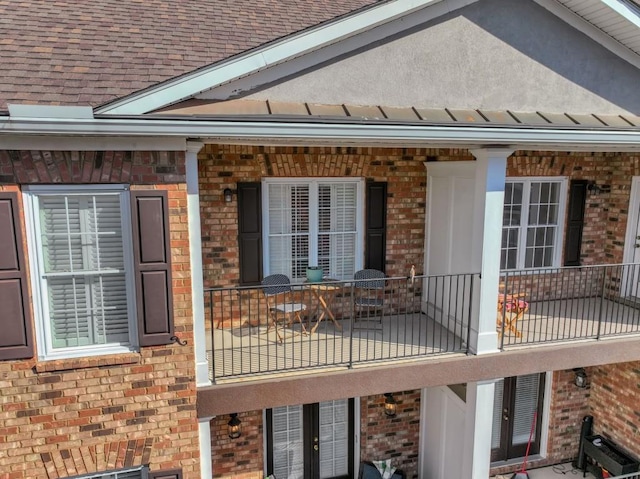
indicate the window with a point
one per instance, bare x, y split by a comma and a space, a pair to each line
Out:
83, 279
138, 473
532, 222
315, 222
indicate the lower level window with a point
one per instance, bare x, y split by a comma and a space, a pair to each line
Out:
81, 264
138, 473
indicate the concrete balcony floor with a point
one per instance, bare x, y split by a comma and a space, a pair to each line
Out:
256, 351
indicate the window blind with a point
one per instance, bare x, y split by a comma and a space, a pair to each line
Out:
83, 269
334, 437
288, 453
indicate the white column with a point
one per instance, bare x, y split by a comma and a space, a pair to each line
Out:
204, 433
195, 253
478, 427
487, 233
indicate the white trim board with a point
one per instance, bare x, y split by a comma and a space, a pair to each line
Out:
308, 133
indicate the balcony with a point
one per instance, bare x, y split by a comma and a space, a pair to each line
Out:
423, 317
567, 304
336, 330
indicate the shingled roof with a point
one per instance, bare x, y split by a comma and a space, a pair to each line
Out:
89, 53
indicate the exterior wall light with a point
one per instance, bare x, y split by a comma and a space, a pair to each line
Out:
228, 195
234, 426
390, 405
581, 377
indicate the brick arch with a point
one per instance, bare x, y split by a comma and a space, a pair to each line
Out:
97, 458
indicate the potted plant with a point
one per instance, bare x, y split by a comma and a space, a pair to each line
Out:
314, 274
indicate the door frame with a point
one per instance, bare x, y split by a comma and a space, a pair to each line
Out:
310, 412
507, 426
633, 218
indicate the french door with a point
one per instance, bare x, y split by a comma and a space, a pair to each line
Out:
517, 401
311, 441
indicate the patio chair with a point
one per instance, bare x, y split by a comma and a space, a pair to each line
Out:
368, 293
277, 291
512, 307
369, 471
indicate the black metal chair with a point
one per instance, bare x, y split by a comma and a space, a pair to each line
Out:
277, 291
368, 294
369, 471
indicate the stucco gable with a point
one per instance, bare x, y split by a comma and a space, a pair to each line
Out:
492, 54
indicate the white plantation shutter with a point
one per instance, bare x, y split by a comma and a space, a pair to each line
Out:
337, 231
496, 431
83, 269
288, 229
313, 222
526, 403
334, 438
288, 453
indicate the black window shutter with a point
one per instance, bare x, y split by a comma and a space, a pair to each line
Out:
375, 238
250, 232
16, 340
575, 222
152, 255
172, 474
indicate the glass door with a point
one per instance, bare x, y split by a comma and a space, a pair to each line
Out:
516, 401
312, 441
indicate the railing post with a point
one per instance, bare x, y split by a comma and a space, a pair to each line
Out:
604, 282
470, 312
351, 325
212, 331
503, 313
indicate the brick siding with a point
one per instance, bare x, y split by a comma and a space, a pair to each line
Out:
615, 404
68, 417
396, 438
241, 458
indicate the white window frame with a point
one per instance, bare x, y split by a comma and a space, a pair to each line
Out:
144, 473
522, 230
313, 183
39, 285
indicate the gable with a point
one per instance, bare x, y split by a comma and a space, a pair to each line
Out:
492, 54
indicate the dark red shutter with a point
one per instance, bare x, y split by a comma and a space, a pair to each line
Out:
250, 232
152, 255
16, 340
575, 222
172, 474
375, 247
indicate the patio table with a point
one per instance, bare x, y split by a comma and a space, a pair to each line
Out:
324, 292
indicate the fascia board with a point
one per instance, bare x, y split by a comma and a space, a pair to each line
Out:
293, 46
330, 133
589, 29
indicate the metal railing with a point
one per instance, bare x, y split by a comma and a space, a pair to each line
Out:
342, 324
561, 304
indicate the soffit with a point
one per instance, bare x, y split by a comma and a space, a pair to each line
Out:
621, 23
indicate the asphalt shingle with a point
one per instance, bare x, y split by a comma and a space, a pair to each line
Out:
89, 53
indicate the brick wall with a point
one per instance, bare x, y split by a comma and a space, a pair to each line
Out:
615, 404
68, 417
223, 166
396, 438
241, 458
